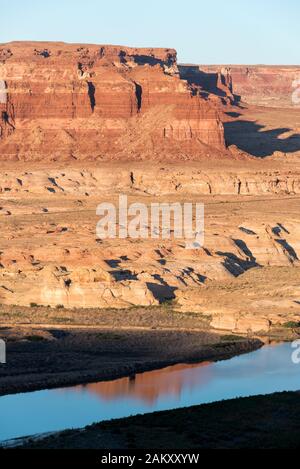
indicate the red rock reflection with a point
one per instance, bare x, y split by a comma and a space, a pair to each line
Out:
151, 385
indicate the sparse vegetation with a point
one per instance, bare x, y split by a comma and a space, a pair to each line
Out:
292, 325
231, 338
34, 338
169, 304
109, 336
152, 317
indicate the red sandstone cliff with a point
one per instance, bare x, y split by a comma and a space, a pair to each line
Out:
60, 100
273, 86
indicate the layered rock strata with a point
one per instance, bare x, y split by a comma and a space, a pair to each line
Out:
99, 102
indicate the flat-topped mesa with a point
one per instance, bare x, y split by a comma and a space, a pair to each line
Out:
84, 101
139, 56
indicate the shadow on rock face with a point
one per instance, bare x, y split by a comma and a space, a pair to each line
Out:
163, 292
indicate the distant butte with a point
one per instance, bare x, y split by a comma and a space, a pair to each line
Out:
261, 85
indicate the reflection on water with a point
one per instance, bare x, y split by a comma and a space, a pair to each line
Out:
262, 372
148, 387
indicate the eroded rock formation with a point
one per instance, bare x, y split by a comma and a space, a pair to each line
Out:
154, 181
100, 102
60, 103
276, 86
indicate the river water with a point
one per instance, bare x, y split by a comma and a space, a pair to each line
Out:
265, 371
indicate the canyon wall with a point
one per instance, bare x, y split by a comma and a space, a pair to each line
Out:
276, 86
59, 101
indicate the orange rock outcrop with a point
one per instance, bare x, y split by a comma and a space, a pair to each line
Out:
60, 101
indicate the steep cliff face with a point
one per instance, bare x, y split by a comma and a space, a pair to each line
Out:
7, 121
209, 81
86, 101
270, 86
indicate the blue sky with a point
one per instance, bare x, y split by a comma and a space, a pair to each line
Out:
208, 32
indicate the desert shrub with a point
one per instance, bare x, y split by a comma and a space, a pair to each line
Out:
231, 338
35, 338
168, 303
292, 325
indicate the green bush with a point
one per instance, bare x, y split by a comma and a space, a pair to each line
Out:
292, 325
35, 338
